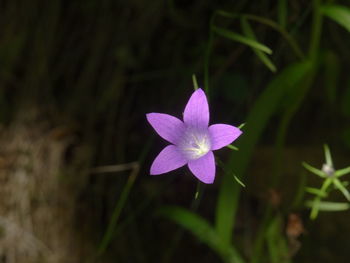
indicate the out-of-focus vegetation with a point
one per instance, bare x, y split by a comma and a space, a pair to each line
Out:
79, 76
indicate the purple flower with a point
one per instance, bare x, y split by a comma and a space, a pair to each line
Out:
193, 140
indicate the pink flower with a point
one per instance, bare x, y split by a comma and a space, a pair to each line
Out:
192, 140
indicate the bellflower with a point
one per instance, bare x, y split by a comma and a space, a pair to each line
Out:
192, 140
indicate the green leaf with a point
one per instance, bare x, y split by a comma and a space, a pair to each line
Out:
328, 156
242, 39
276, 243
195, 83
264, 107
329, 206
282, 13
248, 31
241, 126
232, 147
338, 184
314, 170
316, 191
342, 172
338, 13
117, 211
239, 181
227, 14
203, 231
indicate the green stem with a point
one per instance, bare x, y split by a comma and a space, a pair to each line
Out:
316, 30
259, 240
283, 128
314, 210
290, 40
116, 212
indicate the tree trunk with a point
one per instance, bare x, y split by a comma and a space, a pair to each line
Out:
38, 199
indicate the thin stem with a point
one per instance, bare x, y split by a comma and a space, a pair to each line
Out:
316, 30
314, 210
328, 156
293, 44
195, 83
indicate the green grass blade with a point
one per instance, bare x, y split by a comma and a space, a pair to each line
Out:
203, 231
268, 22
273, 25
248, 32
328, 156
194, 81
224, 13
239, 181
339, 185
329, 206
314, 170
241, 126
232, 147
242, 39
282, 13
277, 245
257, 120
342, 172
117, 211
338, 13
316, 191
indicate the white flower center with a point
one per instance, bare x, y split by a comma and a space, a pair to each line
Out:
195, 144
327, 169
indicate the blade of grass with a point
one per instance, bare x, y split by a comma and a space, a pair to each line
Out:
341, 187
248, 31
317, 200
338, 13
112, 226
328, 156
314, 170
276, 242
242, 39
282, 13
195, 83
316, 191
116, 212
261, 112
268, 22
286, 35
238, 180
203, 231
230, 146
342, 172
329, 206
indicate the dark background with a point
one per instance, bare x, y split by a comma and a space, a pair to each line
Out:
83, 74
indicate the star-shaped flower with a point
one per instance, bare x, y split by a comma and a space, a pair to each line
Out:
193, 140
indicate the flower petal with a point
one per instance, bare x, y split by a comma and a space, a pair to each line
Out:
222, 135
204, 168
168, 127
196, 112
167, 160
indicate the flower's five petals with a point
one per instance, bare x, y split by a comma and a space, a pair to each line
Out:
222, 135
194, 140
204, 168
167, 160
168, 127
196, 112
